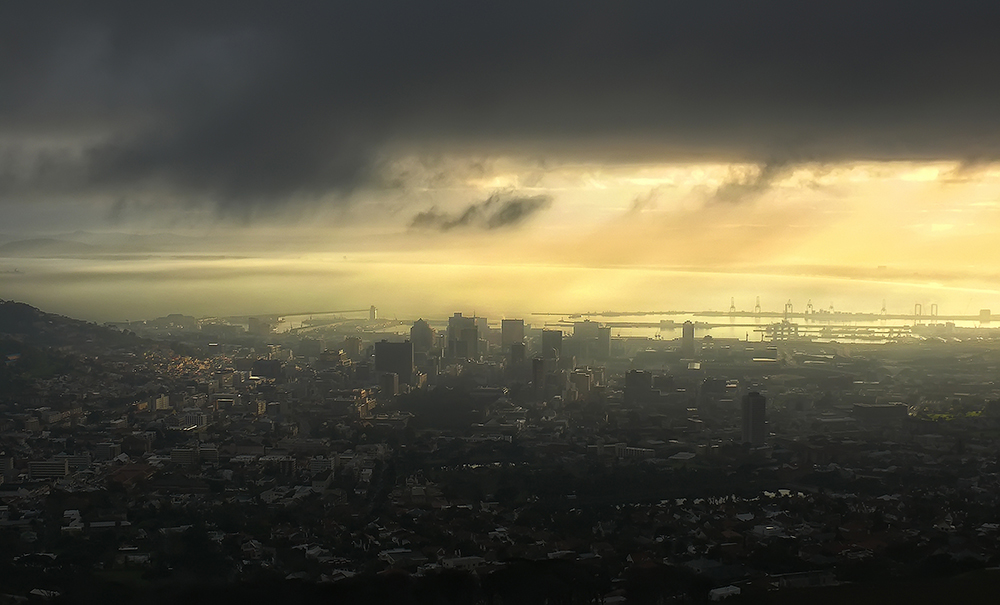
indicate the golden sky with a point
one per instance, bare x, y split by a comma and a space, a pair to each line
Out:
624, 236
244, 158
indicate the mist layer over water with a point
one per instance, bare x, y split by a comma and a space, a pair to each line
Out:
117, 289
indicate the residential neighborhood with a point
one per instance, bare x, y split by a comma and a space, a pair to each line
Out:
133, 460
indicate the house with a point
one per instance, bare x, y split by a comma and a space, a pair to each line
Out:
252, 550
718, 594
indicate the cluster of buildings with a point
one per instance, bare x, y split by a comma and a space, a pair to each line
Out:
461, 445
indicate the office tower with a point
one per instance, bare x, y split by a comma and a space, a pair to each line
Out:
603, 344
551, 344
538, 376
582, 381
259, 327
372, 313
48, 469
463, 336
511, 331
467, 346
7, 471
754, 418
395, 358
590, 341
687, 339
516, 352
422, 336
352, 347
585, 329
388, 384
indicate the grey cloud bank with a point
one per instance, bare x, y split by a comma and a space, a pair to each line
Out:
250, 104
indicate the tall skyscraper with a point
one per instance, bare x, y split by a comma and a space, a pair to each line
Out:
586, 329
687, 339
551, 344
538, 377
395, 358
422, 336
590, 341
352, 347
259, 327
483, 326
603, 344
511, 331
463, 337
467, 346
754, 418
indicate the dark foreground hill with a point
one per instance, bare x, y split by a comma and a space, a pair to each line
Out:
25, 324
35, 345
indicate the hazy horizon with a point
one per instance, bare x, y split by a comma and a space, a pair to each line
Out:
512, 159
117, 288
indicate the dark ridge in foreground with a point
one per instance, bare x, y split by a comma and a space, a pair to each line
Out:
31, 326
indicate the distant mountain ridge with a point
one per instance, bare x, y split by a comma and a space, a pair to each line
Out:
42, 247
84, 243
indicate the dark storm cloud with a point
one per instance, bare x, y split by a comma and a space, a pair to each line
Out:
257, 102
495, 212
